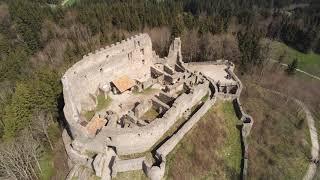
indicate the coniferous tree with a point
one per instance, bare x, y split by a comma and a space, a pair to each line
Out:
291, 69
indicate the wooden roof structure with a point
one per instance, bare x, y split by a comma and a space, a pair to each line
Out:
95, 124
123, 83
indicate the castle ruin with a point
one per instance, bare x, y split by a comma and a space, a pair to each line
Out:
122, 99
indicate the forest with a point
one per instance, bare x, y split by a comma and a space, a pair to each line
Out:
40, 39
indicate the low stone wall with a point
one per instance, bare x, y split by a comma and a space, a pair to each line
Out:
165, 97
168, 69
157, 104
74, 157
245, 132
142, 108
168, 78
128, 165
169, 145
239, 84
217, 62
140, 139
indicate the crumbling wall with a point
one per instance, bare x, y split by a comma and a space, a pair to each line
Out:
166, 98
216, 62
141, 139
101, 67
169, 145
128, 165
142, 108
246, 125
74, 157
157, 104
174, 55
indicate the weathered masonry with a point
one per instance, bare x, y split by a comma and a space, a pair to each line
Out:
121, 100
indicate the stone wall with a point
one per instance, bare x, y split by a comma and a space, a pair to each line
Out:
174, 55
169, 145
134, 57
166, 98
142, 108
157, 104
143, 138
97, 69
74, 157
217, 62
128, 165
247, 122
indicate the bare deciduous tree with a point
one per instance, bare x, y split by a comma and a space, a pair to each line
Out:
190, 46
160, 39
19, 159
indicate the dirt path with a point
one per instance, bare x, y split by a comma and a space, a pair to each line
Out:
313, 135
299, 70
314, 141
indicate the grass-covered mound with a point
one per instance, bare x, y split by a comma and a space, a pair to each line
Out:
210, 150
279, 141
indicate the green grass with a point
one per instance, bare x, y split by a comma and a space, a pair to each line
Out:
46, 164
147, 91
232, 148
307, 62
205, 98
89, 115
150, 115
131, 175
103, 103
211, 150
279, 140
68, 2
54, 132
94, 177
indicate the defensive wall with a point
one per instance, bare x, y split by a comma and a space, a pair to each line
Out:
82, 82
232, 93
142, 138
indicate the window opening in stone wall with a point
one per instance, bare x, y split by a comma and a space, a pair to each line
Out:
142, 51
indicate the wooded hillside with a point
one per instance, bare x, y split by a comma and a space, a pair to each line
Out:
40, 39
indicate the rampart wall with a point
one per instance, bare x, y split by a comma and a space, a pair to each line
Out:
97, 69
82, 81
